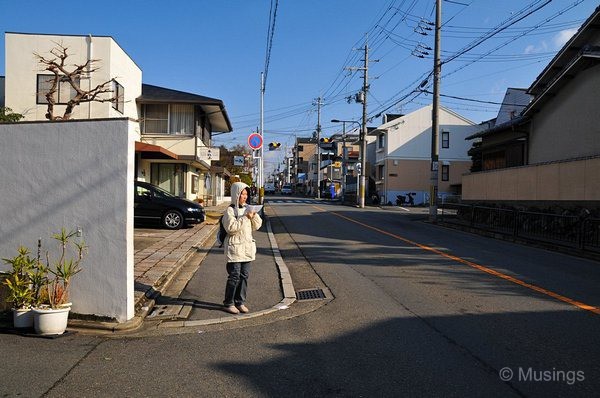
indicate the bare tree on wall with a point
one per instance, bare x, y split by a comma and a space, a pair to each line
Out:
73, 75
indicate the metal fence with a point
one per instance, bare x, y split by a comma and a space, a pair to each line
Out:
571, 231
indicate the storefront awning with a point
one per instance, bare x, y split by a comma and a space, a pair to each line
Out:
150, 151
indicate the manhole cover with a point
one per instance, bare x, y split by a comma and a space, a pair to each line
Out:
311, 294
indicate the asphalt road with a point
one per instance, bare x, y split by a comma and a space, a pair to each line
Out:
412, 310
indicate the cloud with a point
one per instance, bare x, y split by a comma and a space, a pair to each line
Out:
563, 36
533, 49
558, 41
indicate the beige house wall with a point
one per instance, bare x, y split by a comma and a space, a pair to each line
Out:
575, 180
415, 174
573, 113
180, 145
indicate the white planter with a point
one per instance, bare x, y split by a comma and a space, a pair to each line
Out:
49, 321
23, 318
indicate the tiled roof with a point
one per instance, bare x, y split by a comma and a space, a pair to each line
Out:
152, 93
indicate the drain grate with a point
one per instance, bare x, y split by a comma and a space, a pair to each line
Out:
311, 294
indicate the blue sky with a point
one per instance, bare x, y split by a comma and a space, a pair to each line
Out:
217, 49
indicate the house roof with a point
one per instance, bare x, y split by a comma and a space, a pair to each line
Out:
515, 100
382, 128
587, 57
213, 107
511, 124
575, 56
306, 140
566, 54
150, 151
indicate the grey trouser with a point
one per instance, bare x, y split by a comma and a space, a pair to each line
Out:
237, 283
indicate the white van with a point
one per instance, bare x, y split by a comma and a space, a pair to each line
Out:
269, 188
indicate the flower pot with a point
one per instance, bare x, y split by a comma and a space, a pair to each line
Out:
50, 321
22, 318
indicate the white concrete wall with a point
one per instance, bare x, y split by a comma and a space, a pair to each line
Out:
70, 174
129, 75
22, 68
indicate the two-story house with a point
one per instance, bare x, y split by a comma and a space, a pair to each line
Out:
175, 128
403, 154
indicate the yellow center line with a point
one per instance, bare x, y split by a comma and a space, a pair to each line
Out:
479, 267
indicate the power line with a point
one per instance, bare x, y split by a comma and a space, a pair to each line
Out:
270, 34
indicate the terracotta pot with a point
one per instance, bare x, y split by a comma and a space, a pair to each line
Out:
50, 321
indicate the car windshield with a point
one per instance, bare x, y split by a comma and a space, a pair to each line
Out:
162, 192
143, 191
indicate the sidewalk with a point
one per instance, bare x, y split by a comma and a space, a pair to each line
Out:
171, 288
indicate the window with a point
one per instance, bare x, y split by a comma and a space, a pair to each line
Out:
380, 172
169, 176
182, 119
195, 180
168, 119
445, 139
445, 172
381, 141
156, 119
119, 96
64, 91
300, 148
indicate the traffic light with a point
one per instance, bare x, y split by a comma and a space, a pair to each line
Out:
274, 145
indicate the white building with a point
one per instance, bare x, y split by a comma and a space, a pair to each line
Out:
175, 128
403, 154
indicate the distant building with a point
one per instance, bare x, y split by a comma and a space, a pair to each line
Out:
402, 162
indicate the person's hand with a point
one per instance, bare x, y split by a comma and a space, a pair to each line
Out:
250, 214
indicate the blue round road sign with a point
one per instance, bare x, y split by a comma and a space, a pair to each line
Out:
255, 141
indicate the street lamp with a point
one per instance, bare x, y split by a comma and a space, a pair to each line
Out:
345, 167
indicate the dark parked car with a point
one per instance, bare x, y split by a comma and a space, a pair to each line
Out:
154, 204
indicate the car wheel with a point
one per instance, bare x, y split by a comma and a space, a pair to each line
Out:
173, 219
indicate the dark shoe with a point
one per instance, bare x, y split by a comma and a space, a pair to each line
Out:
231, 309
243, 309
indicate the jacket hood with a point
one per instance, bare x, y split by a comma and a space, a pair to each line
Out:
236, 190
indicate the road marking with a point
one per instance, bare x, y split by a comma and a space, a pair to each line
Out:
479, 267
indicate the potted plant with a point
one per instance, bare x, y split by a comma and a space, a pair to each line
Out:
52, 312
20, 292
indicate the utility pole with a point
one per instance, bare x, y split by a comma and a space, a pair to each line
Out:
261, 183
344, 160
435, 121
363, 130
319, 103
363, 140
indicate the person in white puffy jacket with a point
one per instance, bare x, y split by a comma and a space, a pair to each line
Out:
239, 247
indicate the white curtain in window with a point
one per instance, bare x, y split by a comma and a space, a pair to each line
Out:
182, 119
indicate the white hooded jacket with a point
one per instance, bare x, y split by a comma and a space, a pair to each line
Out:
239, 244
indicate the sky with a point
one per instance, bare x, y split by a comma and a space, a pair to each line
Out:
218, 49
